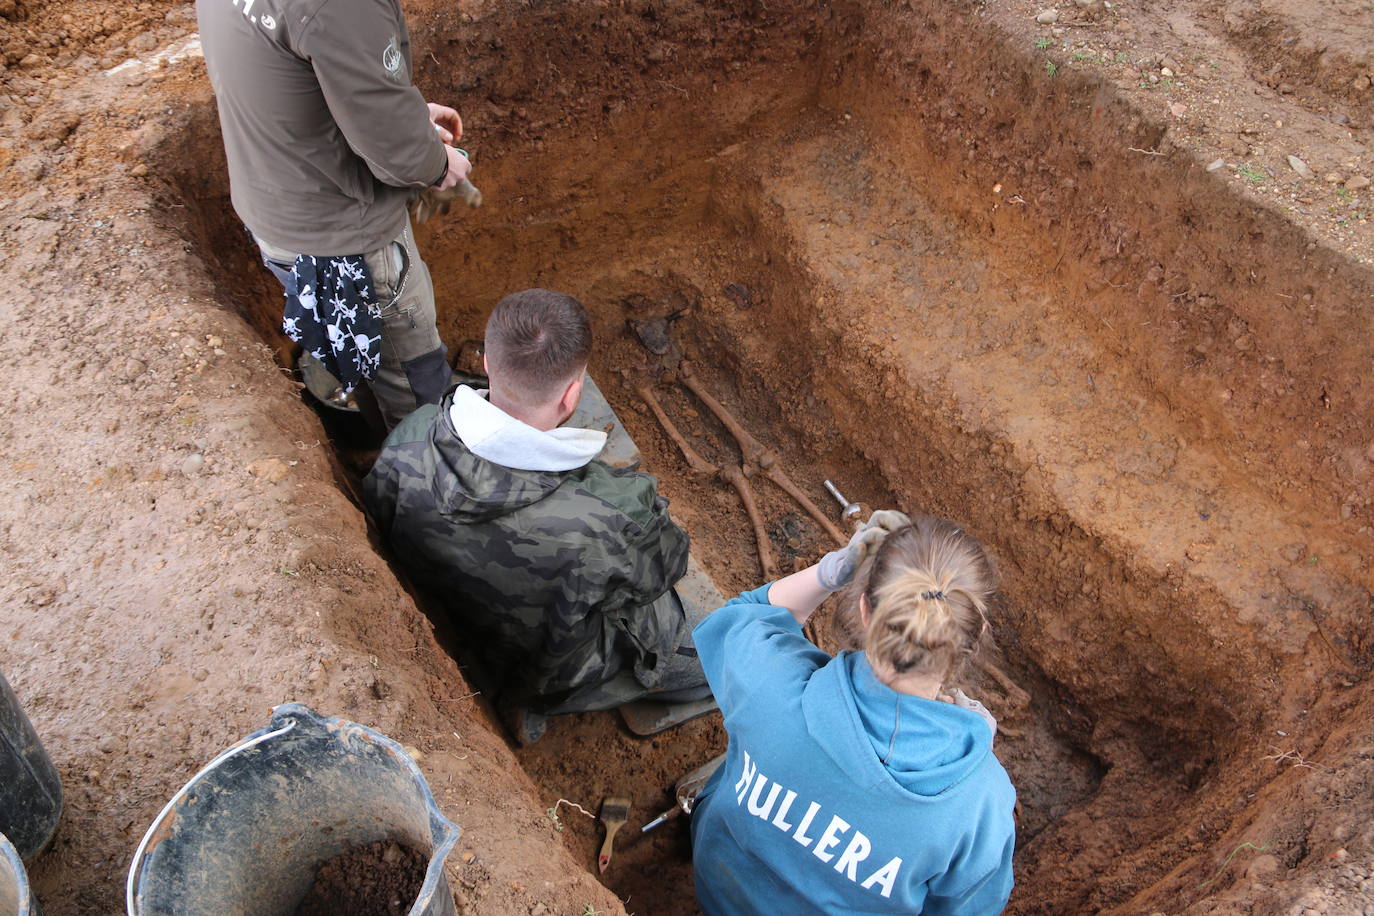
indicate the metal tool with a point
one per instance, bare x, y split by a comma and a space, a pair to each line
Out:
663, 818
849, 512
614, 813
686, 791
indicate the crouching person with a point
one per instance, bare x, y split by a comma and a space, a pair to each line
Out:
556, 568
848, 786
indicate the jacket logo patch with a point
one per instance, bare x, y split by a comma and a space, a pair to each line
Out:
391, 60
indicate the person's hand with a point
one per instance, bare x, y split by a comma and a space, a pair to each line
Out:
447, 120
837, 568
964, 701
458, 168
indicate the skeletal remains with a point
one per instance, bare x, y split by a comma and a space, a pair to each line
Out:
756, 457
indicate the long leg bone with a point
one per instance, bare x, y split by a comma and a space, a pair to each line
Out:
1017, 697
735, 477
751, 449
732, 475
756, 453
694, 461
775, 473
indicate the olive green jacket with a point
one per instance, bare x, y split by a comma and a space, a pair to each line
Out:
325, 136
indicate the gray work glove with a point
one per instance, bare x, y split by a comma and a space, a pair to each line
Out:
836, 569
961, 699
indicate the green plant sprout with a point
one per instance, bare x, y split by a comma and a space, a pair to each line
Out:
1228, 861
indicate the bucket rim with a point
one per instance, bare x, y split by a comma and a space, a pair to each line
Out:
11, 855
286, 718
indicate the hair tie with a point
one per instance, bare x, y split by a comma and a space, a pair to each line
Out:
937, 595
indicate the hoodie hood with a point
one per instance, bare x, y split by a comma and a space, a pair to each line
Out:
470, 442
491, 433
936, 745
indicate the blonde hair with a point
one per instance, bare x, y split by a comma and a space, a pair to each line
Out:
927, 587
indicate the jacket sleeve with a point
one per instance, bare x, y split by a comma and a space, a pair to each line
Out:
382, 115
751, 641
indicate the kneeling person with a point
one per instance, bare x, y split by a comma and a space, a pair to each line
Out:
559, 567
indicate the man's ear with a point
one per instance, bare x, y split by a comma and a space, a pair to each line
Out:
865, 612
571, 396
485, 370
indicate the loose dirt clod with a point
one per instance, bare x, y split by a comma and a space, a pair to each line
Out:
379, 879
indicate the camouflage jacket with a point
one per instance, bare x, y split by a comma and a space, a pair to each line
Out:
559, 577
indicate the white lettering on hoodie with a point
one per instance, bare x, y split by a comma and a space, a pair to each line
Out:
752, 785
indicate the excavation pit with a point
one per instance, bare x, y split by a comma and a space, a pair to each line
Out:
933, 279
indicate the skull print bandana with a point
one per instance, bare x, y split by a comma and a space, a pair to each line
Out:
332, 311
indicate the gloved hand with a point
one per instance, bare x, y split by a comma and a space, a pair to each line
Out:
836, 569
961, 699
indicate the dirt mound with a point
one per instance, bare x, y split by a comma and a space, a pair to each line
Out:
952, 258
379, 879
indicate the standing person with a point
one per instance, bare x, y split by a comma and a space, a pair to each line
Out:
848, 786
326, 140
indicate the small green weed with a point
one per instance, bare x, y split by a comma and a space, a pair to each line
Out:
1228, 861
1084, 55
1122, 58
1042, 43
1343, 194
1051, 68
1252, 173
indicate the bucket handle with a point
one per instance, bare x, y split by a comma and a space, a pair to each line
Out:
136, 869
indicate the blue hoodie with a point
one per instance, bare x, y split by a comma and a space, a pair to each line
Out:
805, 816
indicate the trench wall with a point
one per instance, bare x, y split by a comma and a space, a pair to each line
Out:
635, 134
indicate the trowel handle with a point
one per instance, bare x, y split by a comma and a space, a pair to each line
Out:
662, 818
849, 512
471, 196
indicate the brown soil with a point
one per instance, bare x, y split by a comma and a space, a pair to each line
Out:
379, 879
974, 284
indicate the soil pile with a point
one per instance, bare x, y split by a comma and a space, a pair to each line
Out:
379, 879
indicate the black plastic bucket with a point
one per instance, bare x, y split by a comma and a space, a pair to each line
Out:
15, 896
30, 789
246, 834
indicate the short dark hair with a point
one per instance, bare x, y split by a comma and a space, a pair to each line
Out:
536, 341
